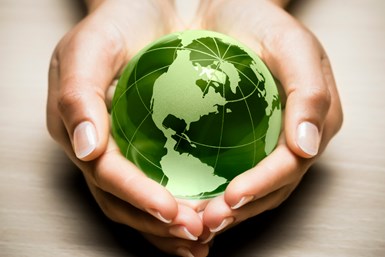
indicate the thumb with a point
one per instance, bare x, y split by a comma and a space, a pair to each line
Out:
85, 116
298, 63
86, 66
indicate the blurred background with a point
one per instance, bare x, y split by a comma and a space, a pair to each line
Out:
338, 210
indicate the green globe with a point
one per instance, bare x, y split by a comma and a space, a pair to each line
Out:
193, 110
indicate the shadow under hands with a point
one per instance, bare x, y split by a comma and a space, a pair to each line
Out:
278, 227
97, 230
252, 237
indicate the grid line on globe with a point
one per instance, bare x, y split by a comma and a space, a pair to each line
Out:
193, 110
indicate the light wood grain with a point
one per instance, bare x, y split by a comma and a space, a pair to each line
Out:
338, 210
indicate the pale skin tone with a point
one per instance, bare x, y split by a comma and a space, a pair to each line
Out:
91, 56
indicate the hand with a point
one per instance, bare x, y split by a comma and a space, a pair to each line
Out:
313, 113
83, 66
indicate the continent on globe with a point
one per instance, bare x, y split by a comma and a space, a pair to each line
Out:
170, 87
193, 110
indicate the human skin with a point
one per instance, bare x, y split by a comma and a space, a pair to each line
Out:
312, 113
92, 55
83, 66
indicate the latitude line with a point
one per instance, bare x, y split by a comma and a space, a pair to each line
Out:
234, 56
133, 84
205, 53
133, 146
224, 147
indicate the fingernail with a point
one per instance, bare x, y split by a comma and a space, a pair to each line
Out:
244, 200
184, 252
159, 216
182, 232
308, 138
84, 139
224, 223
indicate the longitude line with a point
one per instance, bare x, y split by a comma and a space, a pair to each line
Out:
208, 48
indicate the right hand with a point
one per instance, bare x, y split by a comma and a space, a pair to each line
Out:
312, 112
83, 66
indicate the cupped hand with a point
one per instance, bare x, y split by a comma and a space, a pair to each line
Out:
83, 66
312, 108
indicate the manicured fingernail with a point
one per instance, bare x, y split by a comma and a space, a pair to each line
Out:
244, 200
182, 232
184, 252
224, 223
159, 216
85, 139
308, 138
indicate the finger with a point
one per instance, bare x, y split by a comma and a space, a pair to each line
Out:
178, 247
85, 65
334, 119
114, 174
268, 176
54, 122
187, 224
219, 216
121, 212
296, 60
196, 205
207, 237
268, 202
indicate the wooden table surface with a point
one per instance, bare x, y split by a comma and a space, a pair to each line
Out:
338, 210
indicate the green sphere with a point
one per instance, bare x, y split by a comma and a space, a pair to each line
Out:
195, 109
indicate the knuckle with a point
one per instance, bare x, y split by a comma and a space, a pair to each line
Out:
321, 97
68, 99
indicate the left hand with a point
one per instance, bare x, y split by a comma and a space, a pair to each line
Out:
313, 113
83, 65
